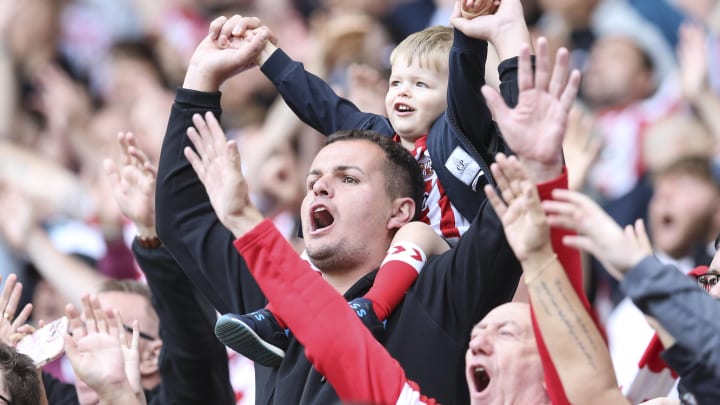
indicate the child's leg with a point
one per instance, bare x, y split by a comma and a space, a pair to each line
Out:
406, 257
270, 307
278, 318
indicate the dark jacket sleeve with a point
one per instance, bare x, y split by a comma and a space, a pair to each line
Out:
58, 392
467, 109
193, 363
508, 74
186, 222
314, 102
696, 378
686, 312
462, 285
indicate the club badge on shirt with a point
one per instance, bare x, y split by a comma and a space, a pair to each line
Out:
462, 166
426, 167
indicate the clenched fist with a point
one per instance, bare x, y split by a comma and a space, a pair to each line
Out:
473, 8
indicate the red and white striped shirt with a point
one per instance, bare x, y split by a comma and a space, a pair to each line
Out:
621, 163
437, 210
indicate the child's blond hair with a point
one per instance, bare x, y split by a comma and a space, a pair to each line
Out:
430, 46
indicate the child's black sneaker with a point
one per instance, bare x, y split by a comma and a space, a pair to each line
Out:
256, 336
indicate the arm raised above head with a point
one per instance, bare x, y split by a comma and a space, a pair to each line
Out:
562, 323
187, 223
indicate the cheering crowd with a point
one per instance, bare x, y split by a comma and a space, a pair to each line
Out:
411, 202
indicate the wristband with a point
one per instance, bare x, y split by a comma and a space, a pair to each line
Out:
151, 242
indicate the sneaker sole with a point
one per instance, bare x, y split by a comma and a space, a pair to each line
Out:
236, 335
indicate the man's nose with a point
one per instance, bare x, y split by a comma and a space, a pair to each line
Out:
322, 187
715, 291
481, 343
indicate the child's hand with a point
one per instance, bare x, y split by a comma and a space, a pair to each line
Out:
502, 23
473, 8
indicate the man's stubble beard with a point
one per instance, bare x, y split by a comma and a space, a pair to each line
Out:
337, 258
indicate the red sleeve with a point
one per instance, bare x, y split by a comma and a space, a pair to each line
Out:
337, 343
570, 260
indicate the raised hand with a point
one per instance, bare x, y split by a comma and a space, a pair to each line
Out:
65, 103
474, 8
12, 328
366, 88
693, 59
500, 22
217, 164
519, 208
597, 233
580, 147
535, 128
16, 228
133, 180
98, 350
231, 46
95, 355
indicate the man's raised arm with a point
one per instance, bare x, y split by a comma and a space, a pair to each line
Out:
186, 222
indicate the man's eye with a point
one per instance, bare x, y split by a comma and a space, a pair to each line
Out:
311, 184
349, 180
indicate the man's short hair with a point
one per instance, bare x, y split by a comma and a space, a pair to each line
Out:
130, 287
403, 177
21, 377
430, 46
698, 167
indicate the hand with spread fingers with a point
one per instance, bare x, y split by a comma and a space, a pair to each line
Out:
519, 208
133, 179
535, 128
13, 328
597, 233
217, 164
100, 354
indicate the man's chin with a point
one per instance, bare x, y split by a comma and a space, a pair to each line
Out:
672, 248
319, 255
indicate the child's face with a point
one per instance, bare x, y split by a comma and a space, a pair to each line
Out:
416, 97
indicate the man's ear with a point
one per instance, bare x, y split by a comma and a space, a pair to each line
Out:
403, 212
150, 358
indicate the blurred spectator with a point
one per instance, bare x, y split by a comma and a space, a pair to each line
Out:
684, 215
